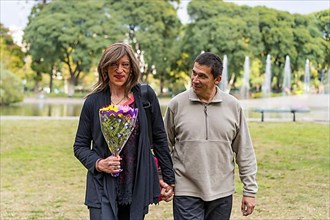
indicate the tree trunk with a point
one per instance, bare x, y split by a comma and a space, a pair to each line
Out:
51, 83
37, 80
51, 79
71, 86
162, 83
145, 77
36, 86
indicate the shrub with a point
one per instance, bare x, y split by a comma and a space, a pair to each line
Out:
10, 88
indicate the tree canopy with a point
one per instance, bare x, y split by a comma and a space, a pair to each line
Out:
62, 31
60, 35
239, 31
151, 27
12, 71
12, 56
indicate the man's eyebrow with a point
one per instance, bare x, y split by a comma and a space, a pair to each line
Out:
194, 71
199, 73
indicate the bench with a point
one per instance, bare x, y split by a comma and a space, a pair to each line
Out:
286, 110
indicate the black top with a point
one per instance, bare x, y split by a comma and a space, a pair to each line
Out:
90, 145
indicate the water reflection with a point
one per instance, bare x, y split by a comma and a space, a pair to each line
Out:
42, 109
318, 105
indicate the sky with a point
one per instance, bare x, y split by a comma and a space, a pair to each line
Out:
292, 6
14, 13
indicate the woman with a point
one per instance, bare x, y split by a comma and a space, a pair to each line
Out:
128, 195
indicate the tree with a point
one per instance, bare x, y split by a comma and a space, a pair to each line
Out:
276, 28
222, 28
151, 27
239, 31
39, 64
12, 71
62, 32
12, 56
10, 87
322, 20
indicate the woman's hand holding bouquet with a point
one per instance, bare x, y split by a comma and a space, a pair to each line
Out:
110, 165
117, 123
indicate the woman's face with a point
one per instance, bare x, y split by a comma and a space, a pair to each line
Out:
119, 71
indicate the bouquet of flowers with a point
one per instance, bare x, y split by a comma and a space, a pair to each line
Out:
117, 124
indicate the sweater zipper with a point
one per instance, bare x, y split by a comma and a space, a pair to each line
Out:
206, 125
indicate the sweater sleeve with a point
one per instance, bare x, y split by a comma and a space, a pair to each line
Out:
82, 144
245, 156
169, 126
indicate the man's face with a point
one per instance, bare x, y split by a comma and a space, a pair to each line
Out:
202, 80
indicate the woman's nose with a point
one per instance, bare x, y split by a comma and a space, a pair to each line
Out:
120, 68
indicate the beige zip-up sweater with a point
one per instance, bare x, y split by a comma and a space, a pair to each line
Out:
205, 140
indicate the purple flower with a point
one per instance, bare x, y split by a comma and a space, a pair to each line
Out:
117, 124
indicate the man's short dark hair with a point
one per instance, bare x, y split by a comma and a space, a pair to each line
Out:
211, 60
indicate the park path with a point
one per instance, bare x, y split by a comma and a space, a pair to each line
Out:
59, 100
311, 101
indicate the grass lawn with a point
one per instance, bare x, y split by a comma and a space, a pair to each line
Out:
41, 179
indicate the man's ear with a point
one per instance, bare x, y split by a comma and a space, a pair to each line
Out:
217, 80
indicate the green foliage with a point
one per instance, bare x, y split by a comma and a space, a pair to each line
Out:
12, 56
61, 31
151, 27
222, 28
239, 31
60, 36
10, 87
179, 74
255, 75
322, 20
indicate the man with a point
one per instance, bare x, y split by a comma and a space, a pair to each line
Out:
207, 130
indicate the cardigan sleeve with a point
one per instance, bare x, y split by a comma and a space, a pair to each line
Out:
82, 145
160, 139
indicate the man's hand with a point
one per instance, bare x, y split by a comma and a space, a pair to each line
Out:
167, 191
248, 204
110, 164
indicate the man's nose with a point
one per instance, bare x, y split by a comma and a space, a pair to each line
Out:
194, 79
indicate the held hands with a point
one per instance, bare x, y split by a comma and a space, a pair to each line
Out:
110, 165
167, 191
248, 204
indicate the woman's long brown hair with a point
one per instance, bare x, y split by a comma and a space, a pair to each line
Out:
111, 55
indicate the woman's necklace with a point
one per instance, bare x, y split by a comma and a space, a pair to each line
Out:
118, 102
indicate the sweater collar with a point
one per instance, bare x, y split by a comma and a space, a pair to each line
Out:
217, 98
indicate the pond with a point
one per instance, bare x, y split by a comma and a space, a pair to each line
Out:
56, 107
49, 107
42, 109
46, 109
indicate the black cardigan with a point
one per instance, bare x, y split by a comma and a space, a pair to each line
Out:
90, 145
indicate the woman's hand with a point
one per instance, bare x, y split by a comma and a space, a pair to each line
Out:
109, 165
167, 191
